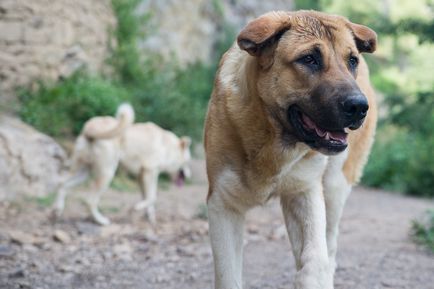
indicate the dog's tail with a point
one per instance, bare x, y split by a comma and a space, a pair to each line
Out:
124, 117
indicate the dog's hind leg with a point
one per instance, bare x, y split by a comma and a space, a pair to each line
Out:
77, 178
103, 175
148, 180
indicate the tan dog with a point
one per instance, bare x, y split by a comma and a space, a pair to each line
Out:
145, 150
284, 120
148, 150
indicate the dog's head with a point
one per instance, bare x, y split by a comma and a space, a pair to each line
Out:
307, 70
184, 172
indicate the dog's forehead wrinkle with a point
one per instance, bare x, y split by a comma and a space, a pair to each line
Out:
313, 27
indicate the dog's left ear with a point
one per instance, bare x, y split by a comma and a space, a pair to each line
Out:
259, 37
365, 37
185, 142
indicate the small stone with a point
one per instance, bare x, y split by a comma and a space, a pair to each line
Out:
21, 238
17, 273
67, 268
123, 251
61, 236
6, 251
30, 248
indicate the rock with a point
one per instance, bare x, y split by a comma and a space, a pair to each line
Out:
31, 163
61, 236
17, 273
123, 251
21, 238
30, 28
6, 251
65, 268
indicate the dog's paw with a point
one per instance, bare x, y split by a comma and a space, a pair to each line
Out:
141, 205
101, 220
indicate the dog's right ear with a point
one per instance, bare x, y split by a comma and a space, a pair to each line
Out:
263, 32
185, 142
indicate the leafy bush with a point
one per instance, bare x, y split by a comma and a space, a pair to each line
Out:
61, 110
403, 155
161, 92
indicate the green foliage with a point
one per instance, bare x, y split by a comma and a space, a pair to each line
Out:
202, 212
308, 4
176, 99
402, 157
61, 110
423, 231
44, 201
161, 92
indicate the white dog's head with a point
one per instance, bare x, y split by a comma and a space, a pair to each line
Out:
184, 171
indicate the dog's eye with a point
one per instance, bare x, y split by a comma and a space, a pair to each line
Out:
353, 62
309, 60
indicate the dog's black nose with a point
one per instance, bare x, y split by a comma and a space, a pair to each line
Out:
355, 107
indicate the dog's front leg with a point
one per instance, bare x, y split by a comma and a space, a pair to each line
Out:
226, 225
305, 218
336, 192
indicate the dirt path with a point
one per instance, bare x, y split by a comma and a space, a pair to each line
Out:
375, 250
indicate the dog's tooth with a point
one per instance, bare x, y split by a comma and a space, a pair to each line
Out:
347, 130
327, 136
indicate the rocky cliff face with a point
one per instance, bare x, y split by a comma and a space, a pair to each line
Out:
44, 39
51, 39
189, 29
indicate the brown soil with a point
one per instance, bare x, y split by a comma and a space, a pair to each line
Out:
375, 248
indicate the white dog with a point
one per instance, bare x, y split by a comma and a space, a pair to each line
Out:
145, 150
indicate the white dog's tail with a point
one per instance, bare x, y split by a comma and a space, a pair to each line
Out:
125, 118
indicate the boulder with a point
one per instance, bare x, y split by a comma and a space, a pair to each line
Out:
31, 163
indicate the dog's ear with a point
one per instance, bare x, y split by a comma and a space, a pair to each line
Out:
263, 33
185, 142
365, 37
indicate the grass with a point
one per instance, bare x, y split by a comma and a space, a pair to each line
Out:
202, 212
423, 231
44, 201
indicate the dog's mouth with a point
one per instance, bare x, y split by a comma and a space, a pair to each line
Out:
317, 137
180, 178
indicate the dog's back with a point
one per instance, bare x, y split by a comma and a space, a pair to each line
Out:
148, 145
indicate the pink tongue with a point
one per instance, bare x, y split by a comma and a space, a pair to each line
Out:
336, 135
179, 181
339, 136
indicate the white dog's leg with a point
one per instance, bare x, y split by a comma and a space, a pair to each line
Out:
149, 186
305, 218
336, 191
79, 177
226, 227
98, 187
100, 184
